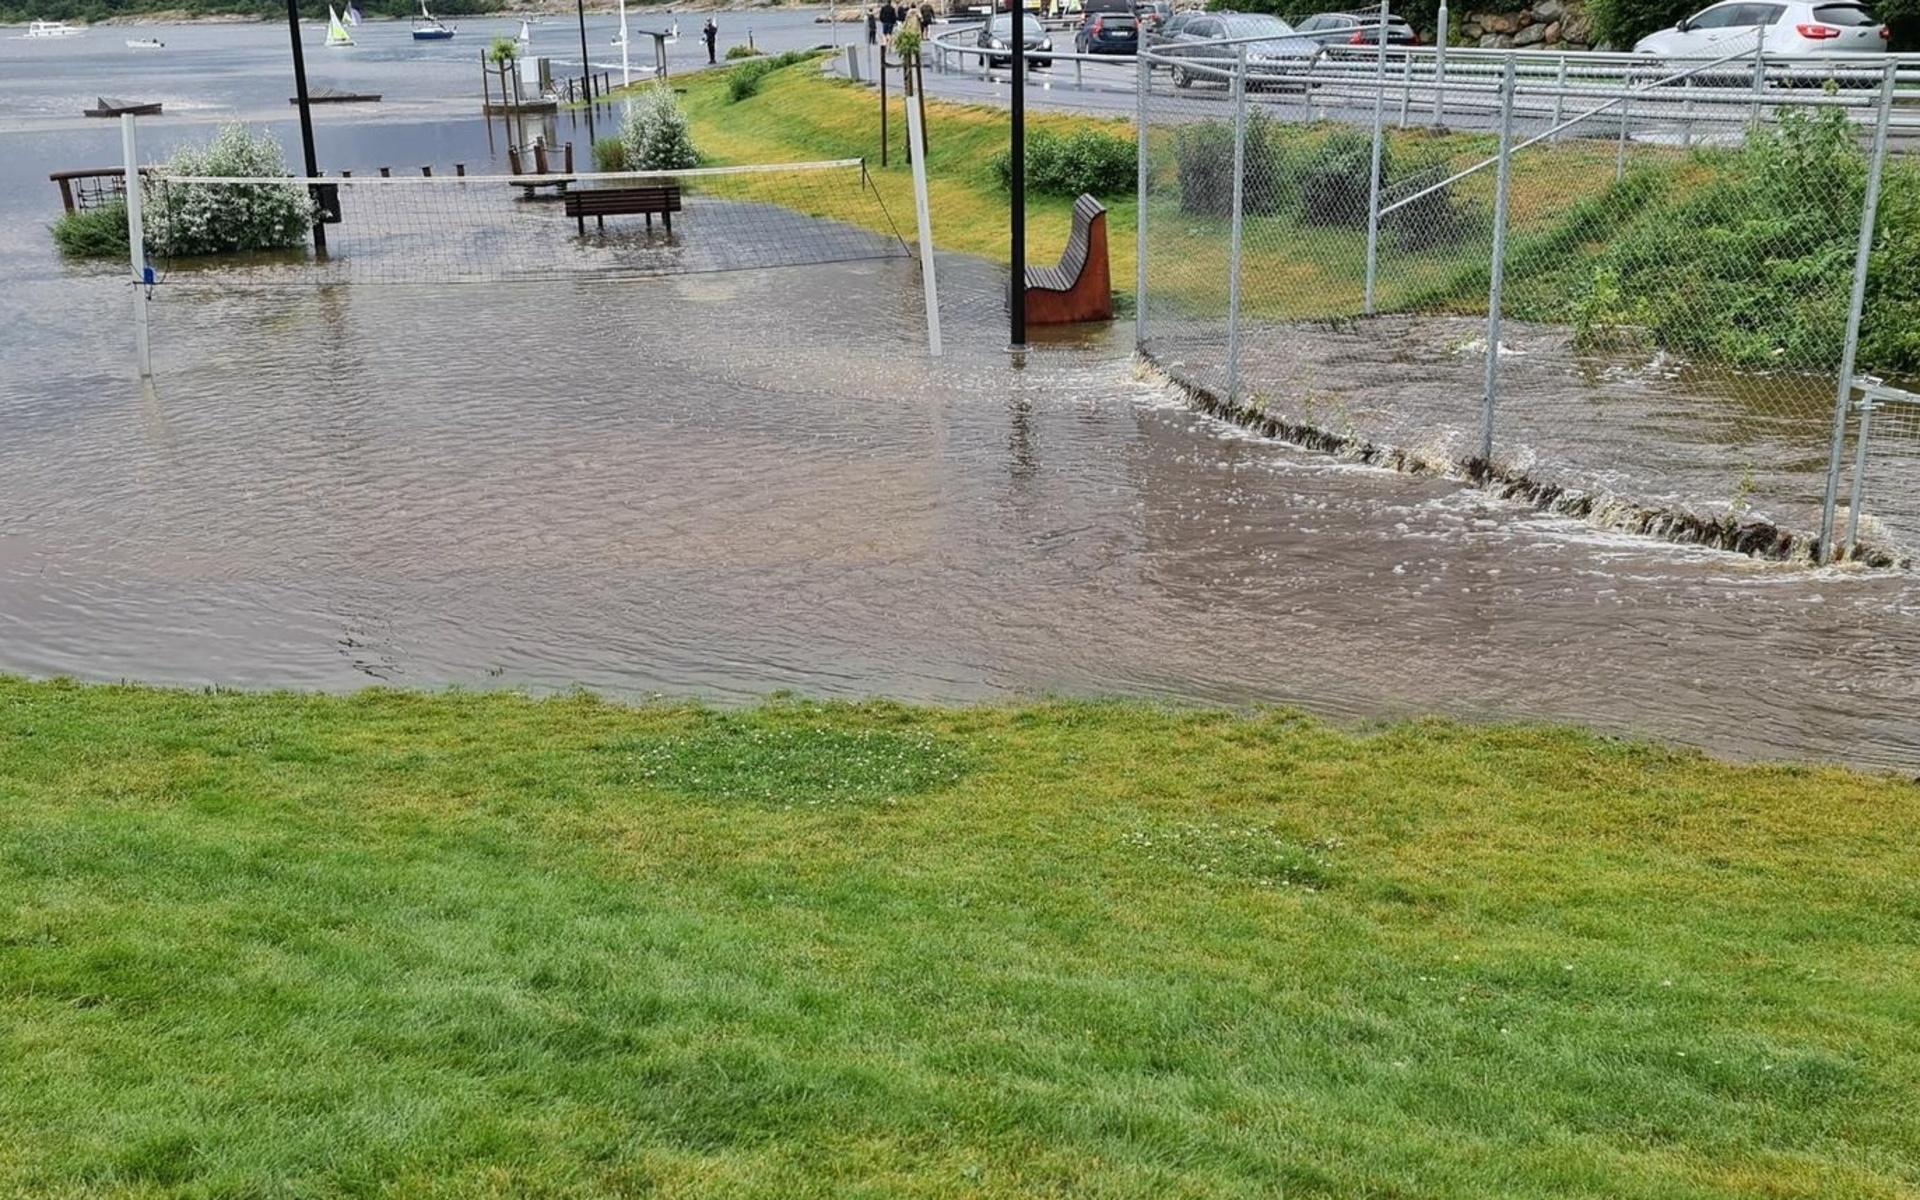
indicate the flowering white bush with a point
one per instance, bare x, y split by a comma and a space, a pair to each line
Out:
228, 218
656, 133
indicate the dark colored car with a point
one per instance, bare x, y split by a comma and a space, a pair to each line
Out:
1272, 47
997, 34
1355, 29
1170, 28
1107, 33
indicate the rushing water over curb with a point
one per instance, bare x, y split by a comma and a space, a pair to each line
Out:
1601, 509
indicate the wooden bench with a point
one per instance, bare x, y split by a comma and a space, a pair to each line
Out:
1081, 287
601, 203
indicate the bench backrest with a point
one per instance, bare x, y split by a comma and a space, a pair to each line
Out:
1073, 259
663, 197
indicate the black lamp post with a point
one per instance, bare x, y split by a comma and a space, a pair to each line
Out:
306, 113
1018, 233
586, 72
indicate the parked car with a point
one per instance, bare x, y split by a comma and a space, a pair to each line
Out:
997, 34
1153, 14
1107, 33
1273, 48
1170, 28
1803, 27
1355, 29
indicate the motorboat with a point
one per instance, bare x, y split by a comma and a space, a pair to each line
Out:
52, 29
145, 44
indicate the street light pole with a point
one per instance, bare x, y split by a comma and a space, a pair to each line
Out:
306, 114
1018, 233
586, 71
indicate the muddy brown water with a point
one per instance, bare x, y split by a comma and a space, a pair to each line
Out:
720, 485
1639, 431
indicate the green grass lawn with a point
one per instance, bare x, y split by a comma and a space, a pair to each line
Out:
1295, 271
408, 945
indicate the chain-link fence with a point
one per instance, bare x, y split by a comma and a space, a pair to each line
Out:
1626, 292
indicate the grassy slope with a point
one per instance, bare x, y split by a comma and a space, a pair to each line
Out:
1298, 271
465, 946
797, 116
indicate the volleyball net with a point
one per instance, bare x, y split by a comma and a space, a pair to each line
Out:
259, 232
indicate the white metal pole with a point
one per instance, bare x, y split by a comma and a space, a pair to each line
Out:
1379, 136
136, 243
1862, 254
1440, 67
626, 70
1856, 496
1239, 220
1499, 266
923, 211
1144, 83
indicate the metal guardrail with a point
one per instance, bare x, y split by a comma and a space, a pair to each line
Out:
1466, 82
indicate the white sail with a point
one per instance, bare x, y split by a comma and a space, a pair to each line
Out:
336, 32
526, 32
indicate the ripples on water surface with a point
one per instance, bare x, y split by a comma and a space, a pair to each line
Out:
726, 484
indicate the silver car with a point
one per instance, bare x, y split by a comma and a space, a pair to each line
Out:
1785, 30
1272, 46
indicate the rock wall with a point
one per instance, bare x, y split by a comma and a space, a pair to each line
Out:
1542, 25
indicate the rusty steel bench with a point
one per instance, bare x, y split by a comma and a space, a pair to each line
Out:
1081, 287
601, 203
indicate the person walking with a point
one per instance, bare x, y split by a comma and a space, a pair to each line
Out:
873, 26
711, 32
889, 17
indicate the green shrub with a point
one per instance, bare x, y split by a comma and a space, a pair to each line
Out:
1621, 23
1085, 161
734, 52
610, 154
656, 133
503, 51
187, 219
1203, 157
1336, 183
744, 80
93, 232
1753, 267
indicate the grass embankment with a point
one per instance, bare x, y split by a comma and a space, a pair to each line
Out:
479, 945
798, 116
1297, 270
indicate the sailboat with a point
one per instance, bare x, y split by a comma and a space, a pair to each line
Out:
336, 32
429, 28
526, 33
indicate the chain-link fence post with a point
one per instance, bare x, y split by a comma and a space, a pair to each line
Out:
1440, 67
1239, 220
1862, 254
1862, 436
1559, 98
1620, 152
1759, 81
1501, 188
1143, 83
1379, 136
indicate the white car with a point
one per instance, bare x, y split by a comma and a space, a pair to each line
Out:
1785, 29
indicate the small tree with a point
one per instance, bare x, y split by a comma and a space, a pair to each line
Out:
503, 51
228, 218
657, 135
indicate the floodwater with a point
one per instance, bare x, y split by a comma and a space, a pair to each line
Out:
1648, 431
724, 484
